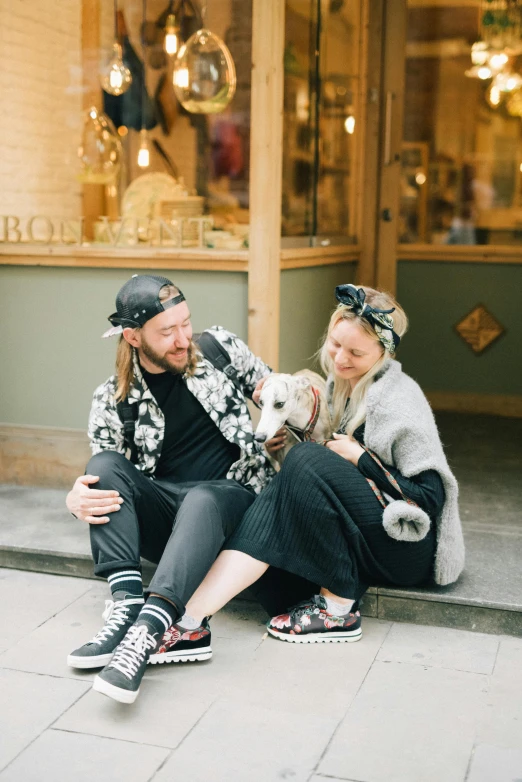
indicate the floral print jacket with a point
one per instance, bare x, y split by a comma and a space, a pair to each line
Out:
218, 395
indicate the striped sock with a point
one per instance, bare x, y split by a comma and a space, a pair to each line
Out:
127, 581
158, 614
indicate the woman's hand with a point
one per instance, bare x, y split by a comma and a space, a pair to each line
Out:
346, 447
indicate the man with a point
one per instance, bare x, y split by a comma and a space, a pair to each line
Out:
197, 470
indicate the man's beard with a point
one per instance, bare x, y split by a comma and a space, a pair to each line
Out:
163, 362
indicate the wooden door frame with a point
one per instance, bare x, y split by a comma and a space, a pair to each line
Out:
266, 171
395, 20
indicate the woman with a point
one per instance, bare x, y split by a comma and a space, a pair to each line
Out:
377, 505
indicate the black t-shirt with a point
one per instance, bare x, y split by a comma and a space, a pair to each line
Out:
193, 447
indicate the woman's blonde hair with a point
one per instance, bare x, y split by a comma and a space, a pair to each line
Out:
124, 354
347, 417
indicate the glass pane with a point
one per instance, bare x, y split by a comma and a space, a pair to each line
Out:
300, 107
461, 177
320, 111
338, 113
207, 154
197, 163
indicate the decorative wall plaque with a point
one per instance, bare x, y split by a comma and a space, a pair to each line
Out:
479, 329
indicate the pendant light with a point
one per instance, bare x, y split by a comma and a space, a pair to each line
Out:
144, 151
171, 42
100, 149
115, 77
204, 75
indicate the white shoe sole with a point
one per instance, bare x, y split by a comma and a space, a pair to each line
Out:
116, 693
317, 638
100, 661
180, 657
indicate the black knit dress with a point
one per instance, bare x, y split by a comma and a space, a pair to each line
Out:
319, 524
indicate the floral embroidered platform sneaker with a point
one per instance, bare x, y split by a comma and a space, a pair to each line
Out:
309, 622
183, 646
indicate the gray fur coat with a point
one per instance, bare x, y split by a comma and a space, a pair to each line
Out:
401, 430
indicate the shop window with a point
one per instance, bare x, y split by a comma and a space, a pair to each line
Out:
321, 78
461, 180
198, 163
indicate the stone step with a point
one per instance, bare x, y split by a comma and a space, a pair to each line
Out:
37, 533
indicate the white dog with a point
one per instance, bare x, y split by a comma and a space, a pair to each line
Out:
297, 402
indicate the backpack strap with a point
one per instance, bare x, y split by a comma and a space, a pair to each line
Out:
212, 350
128, 414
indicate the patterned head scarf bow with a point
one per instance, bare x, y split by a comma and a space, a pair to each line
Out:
355, 299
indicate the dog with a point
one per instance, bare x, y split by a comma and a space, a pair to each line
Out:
297, 402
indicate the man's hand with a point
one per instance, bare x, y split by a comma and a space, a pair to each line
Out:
257, 390
91, 505
346, 447
277, 442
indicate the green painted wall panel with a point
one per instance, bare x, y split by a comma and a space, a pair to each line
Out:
436, 296
307, 301
51, 352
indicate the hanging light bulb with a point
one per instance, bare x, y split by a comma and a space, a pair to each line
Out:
497, 60
204, 75
493, 96
508, 81
479, 53
100, 149
144, 153
171, 35
479, 72
349, 124
181, 78
115, 77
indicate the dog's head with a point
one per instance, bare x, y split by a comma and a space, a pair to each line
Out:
281, 396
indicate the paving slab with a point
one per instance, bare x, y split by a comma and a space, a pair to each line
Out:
61, 633
172, 699
29, 703
29, 599
235, 743
64, 757
297, 671
495, 764
501, 722
408, 723
240, 620
321, 778
440, 648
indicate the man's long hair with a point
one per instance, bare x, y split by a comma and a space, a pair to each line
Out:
125, 353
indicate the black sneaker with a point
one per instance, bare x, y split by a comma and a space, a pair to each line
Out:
179, 645
309, 623
119, 615
121, 678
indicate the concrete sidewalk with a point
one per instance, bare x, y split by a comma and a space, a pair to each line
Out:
407, 704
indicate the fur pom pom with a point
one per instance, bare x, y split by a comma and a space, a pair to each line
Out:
405, 522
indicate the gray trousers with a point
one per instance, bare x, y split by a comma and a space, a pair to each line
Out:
180, 526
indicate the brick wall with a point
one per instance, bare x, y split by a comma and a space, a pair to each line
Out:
41, 107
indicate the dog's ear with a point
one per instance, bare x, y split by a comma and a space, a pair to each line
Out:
302, 382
